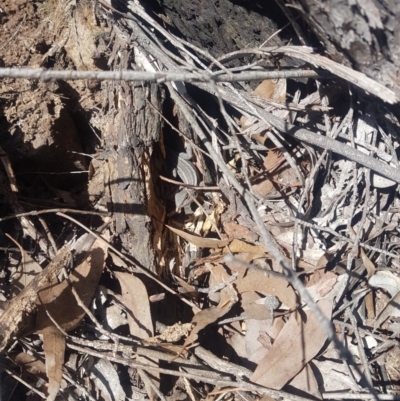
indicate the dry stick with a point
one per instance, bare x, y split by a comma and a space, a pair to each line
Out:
307, 54
348, 369
58, 210
136, 267
328, 230
360, 346
309, 137
157, 77
215, 381
139, 350
367, 332
353, 396
26, 384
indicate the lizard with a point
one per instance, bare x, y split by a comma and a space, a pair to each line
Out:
188, 173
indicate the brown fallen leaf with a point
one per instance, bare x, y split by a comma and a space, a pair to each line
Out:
137, 305
306, 382
391, 309
210, 315
272, 89
30, 364
19, 317
295, 346
200, 241
54, 350
260, 281
139, 319
238, 245
56, 301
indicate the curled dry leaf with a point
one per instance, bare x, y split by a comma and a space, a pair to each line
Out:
295, 346
367, 263
200, 241
387, 281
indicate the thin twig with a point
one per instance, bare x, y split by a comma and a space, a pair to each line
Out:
26, 384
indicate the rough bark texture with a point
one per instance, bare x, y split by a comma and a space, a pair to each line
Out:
135, 127
361, 34
222, 26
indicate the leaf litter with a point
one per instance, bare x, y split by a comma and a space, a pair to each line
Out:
201, 325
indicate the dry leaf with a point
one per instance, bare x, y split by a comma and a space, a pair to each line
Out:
19, 317
59, 301
296, 345
135, 297
239, 246
137, 305
30, 364
207, 316
392, 309
305, 383
200, 241
107, 381
274, 89
54, 350
387, 281
368, 264
256, 280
